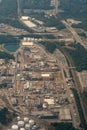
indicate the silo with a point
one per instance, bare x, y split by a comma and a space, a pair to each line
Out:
14, 127
20, 123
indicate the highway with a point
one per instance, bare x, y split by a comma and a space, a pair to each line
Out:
74, 33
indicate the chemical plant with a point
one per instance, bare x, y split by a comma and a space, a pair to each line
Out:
37, 87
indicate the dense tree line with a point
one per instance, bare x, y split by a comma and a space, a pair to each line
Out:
75, 9
54, 22
15, 23
49, 46
83, 24
8, 8
4, 55
60, 126
8, 39
63, 126
8, 14
79, 56
80, 110
4, 116
36, 4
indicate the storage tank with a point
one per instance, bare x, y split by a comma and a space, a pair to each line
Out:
14, 127
34, 127
31, 122
27, 126
18, 118
45, 105
26, 119
20, 123
22, 129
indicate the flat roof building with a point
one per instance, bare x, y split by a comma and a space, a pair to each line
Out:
24, 43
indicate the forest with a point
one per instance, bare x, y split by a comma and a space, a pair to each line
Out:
63, 126
8, 39
4, 116
51, 46
8, 8
5, 55
79, 56
36, 4
80, 110
76, 9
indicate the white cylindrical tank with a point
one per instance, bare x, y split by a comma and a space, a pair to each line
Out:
18, 118
34, 127
26, 119
20, 123
14, 127
22, 129
27, 126
44, 105
31, 122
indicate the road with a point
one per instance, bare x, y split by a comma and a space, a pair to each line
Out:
78, 40
74, 33
56, 6
75, 84
72, 105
